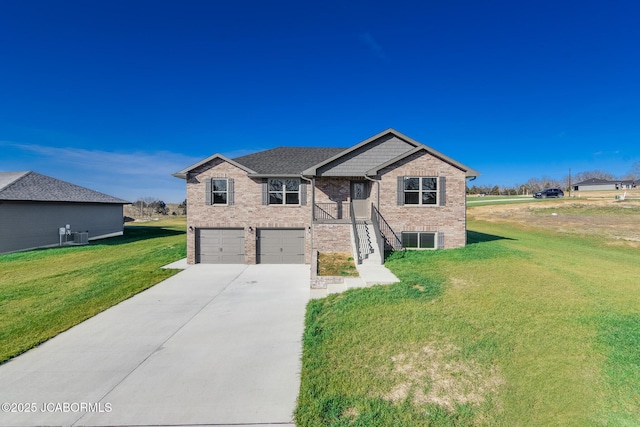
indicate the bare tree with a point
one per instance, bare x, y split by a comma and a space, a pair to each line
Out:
534, 184
147, 205
634, 172
183, 207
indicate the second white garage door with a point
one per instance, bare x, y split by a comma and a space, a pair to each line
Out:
280, 246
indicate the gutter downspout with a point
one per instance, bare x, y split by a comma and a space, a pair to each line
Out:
377, 181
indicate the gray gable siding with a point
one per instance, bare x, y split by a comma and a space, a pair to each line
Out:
367, 157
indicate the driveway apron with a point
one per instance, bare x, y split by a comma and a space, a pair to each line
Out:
212, 345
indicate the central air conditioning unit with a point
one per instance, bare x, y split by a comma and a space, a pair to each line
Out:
80, 238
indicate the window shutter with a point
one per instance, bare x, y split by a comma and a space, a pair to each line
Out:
230, 198
443, 191
401, 191
440, 240
303, 193
207, 190
265, 191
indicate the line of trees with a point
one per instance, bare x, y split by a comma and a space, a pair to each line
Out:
536, 184
148, 206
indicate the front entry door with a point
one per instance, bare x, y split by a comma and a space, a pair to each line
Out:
360, 198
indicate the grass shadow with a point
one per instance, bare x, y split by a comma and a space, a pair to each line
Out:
139, 233
474, 237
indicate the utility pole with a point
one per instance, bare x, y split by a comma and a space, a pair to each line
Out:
570, 183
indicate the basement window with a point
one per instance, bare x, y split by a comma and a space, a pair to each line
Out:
418, 240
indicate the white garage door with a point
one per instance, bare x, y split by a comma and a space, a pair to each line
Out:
280, 246
220, 246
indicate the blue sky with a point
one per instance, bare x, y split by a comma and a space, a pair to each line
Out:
118, 95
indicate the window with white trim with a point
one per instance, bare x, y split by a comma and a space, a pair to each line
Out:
420, 190
419, 240
284, 191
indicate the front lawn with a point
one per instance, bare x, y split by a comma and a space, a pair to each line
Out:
524, 326
44, 292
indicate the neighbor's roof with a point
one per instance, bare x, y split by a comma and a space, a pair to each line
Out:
595, 181
34, 187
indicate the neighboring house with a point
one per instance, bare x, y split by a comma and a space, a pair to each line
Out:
34, 207
281, 205
604, 184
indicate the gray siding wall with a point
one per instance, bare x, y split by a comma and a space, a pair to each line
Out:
27, 225
593, 187
367, 157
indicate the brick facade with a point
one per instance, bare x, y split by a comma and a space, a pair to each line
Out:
247, 212
332, 237
449, 219
332, 232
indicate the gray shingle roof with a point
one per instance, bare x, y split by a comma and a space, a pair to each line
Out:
286, 160
32, 186
595, 181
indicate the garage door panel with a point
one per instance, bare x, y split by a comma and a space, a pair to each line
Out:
281, 246
220, 246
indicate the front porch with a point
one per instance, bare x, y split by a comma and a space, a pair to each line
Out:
339, 199
346, 217
332, 212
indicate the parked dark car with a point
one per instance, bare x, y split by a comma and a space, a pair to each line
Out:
549, 192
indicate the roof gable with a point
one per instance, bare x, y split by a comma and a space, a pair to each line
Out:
468, 171
183, 173
375, 153
355, 162
34, 187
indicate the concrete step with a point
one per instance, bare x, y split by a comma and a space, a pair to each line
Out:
376, 274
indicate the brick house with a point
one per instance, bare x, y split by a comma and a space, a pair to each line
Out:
282, 205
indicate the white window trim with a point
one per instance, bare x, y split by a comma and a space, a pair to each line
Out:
420, 191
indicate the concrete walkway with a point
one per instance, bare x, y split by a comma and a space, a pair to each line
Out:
369, 274
213, 345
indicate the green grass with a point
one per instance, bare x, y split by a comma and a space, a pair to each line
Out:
502, 200
521, 327
44, 292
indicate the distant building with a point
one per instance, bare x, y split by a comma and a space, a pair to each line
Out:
36, 209
604, 184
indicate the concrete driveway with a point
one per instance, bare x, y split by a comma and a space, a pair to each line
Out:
213, 345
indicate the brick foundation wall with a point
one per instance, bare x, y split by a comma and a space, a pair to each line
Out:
332, 237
